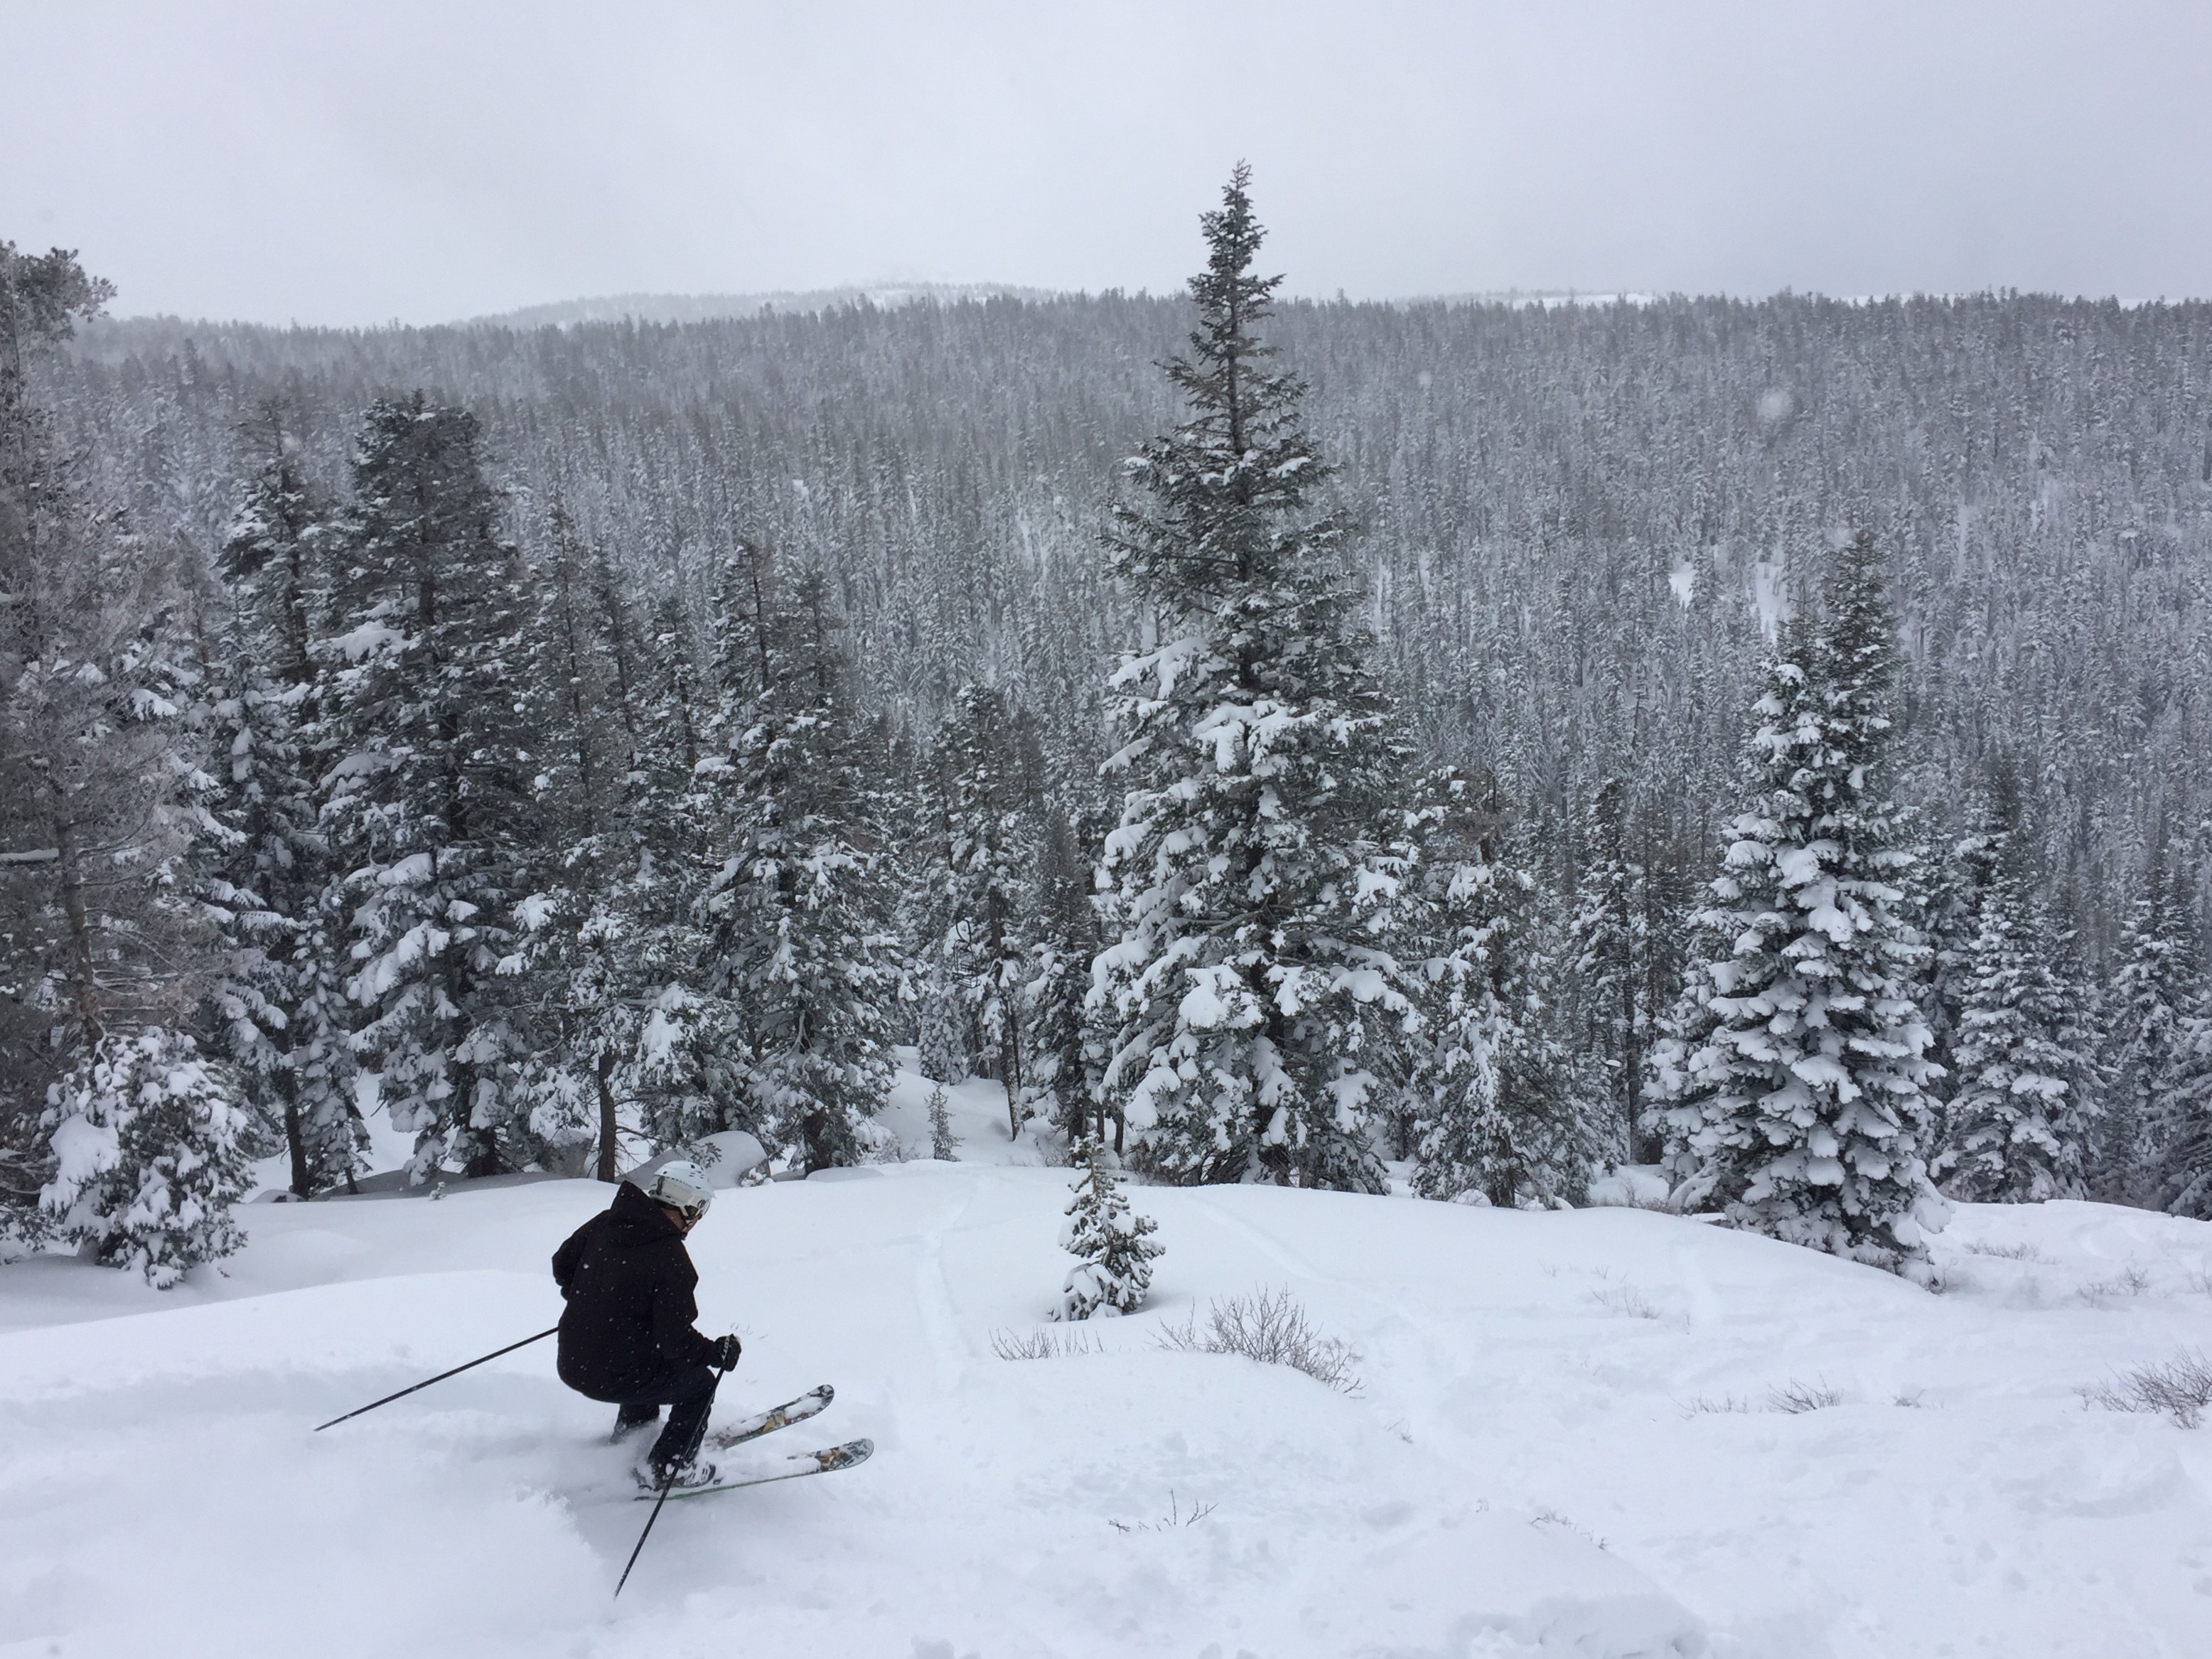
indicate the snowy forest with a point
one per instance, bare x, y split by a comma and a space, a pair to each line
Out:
1280, 741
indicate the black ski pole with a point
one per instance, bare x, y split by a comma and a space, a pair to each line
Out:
666, 1481
439, 1377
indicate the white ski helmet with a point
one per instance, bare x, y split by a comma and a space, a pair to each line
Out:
682, 1185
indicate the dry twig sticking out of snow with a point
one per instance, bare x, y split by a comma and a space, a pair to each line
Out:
1626, 1300
1796, 1397
1173, 1519
1049, 1344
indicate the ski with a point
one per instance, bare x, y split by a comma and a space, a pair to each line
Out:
828, 1460
810, 1404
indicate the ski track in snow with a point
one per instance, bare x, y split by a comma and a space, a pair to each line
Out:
933, 1298
1562, 1446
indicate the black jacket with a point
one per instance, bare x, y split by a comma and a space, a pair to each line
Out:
628, 1280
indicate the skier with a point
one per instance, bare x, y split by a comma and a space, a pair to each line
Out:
626, 1335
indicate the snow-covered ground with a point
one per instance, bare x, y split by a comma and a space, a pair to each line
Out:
1564, 1442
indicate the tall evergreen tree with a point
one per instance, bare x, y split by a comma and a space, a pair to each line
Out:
2183, 1169
2153, 1005
278, 992
1060, 1063
577, 924
987, 760
1250, 979
1611, 936
1497, 1109
2017, 1123
687, 1070
432, 805
927, 916
100, 941
1794, 1081
802, 944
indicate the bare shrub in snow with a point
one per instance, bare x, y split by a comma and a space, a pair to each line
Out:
2130, 1281
1268, 1325
1796, 1398
2007, 1252
1625, 1300
1727, 1405
2180, 1388
1046, 1344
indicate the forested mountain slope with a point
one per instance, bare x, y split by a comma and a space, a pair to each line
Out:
1573, 518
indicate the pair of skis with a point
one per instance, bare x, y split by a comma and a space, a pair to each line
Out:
827, 1461
768, 1422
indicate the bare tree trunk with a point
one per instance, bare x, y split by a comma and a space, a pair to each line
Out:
295, 1144
69, 869
609, 1129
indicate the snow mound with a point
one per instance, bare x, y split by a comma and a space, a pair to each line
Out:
1632, 1185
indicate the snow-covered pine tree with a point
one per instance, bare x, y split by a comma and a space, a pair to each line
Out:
1058, 1066
986, 759
944, 1026
48, 987
433, 809
802, 944
577, 926
1949, 904
2018, 1120
1610, 936
277, 992
1112, 1243
942, 1142
941, 1046
1793, 1081
2183, 1135
1494, 1114
688, 1067
100, 767
2152, 1004
147, 1138
1249, 974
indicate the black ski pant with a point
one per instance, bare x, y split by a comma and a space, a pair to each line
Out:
689, 1390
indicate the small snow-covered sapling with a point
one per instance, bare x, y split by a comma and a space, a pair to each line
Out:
941, 1137
1111, 1243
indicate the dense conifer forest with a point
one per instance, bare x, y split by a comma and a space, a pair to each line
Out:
1767, 738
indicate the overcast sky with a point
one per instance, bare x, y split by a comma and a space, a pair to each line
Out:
388, 158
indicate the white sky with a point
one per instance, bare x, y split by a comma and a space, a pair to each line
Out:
396, 159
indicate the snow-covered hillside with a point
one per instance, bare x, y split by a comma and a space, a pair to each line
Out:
1565, 1442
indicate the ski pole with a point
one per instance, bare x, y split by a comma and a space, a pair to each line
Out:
666, 1481
439, 1377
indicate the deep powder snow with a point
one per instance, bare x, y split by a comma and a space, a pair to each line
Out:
1568, 1441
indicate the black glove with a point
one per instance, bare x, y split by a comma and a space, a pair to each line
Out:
725, 1353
